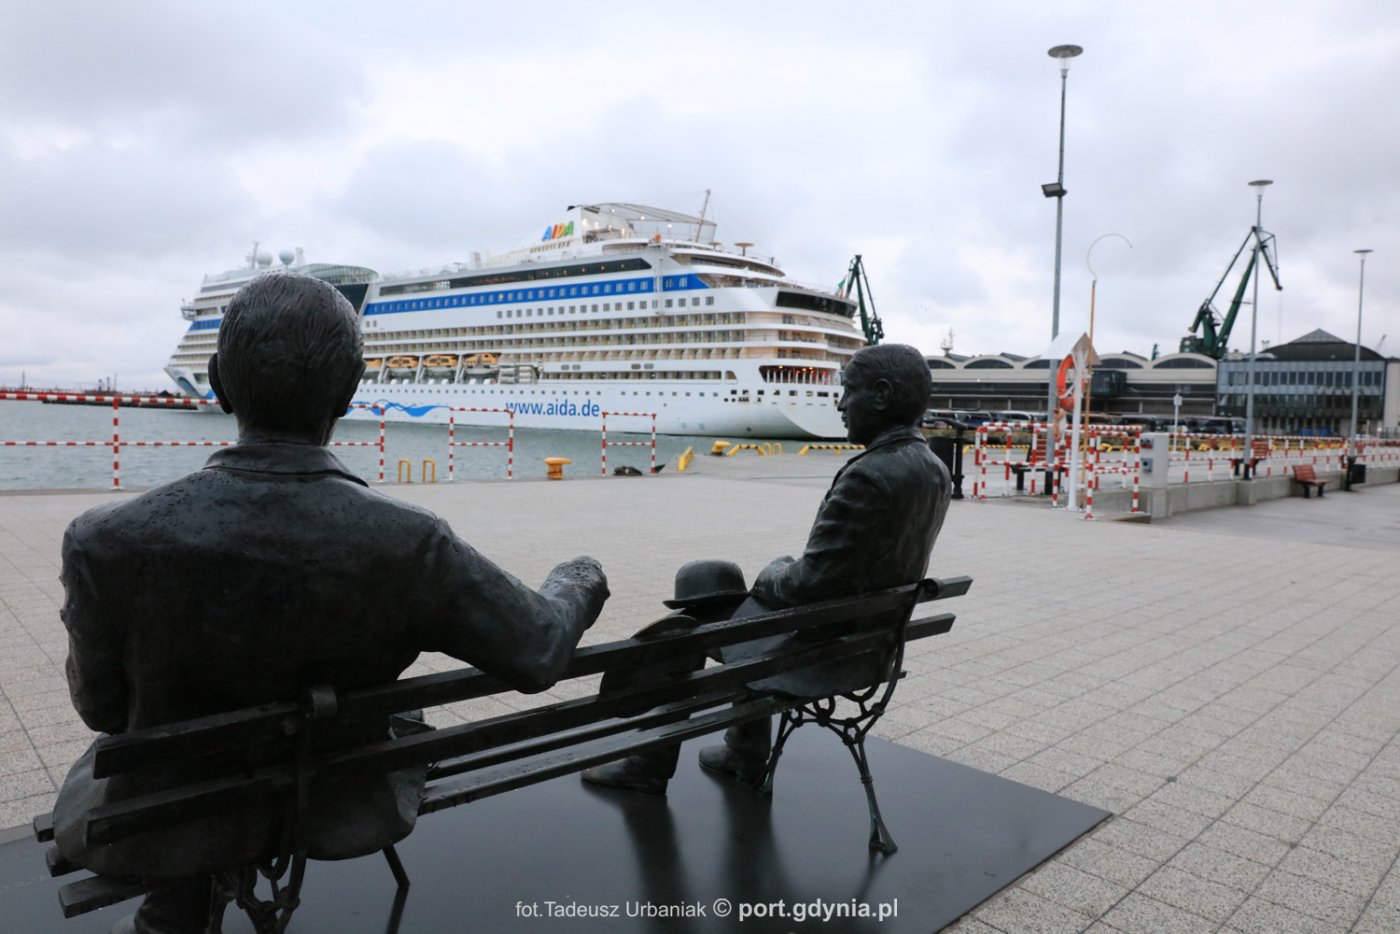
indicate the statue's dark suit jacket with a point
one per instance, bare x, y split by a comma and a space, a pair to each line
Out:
271, 570
875, 528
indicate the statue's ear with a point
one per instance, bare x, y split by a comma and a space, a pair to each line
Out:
884, 393
217, 385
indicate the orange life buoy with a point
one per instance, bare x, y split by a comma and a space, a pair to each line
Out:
1064, 387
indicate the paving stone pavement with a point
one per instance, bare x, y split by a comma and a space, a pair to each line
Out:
1231, 695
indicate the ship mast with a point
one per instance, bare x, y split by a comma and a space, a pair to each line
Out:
700, 227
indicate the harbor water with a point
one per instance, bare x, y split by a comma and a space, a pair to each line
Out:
70, 468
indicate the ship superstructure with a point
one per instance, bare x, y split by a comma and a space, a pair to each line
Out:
615, 308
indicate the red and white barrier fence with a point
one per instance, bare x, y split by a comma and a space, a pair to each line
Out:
603, 469
1057, 464
1203, 453
116, 443
453, 443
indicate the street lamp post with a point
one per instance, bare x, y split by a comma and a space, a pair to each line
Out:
1356, 362
1056, 190
1093, 296
1258, 185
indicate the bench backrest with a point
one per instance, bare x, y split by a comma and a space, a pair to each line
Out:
1305, 472
870, 624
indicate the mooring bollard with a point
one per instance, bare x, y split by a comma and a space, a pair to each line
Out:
554, 467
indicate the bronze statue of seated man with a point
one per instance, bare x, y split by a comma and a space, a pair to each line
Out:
875, 528
272, 569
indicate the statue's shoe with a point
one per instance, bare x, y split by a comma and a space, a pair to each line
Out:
630, 774
726, 761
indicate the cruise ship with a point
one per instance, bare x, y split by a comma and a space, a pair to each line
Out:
615, 308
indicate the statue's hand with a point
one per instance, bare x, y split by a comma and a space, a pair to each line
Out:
586, 574
763, 585
776, 566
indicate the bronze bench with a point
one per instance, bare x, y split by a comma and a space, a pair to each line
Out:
499, 754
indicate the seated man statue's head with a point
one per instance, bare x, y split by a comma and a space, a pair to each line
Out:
883, 387
290, 357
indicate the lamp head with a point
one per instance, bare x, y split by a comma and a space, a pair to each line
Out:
1064, 53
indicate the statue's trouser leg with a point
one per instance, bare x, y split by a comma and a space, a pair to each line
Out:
752, 740
177, 907
657, 763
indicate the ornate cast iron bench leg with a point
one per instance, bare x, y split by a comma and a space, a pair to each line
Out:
786, 726
852, 731
880, 838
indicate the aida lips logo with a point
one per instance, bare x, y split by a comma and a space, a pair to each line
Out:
558, 231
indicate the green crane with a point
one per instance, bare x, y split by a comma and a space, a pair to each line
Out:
1215, 331
869, 320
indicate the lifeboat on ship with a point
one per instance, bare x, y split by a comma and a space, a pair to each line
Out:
440, 363
402, 367
481, 366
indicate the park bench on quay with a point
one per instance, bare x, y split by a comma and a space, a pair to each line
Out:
1307, 479
502, 753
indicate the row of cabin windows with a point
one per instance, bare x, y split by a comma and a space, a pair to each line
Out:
551, 310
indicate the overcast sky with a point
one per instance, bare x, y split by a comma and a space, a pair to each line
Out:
144, 144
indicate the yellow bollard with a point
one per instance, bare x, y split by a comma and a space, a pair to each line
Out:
685, 459
426, 462
554, 467
719, 447
405, 471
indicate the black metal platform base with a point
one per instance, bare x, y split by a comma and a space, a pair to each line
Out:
563, 856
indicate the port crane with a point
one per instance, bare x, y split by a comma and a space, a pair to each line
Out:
1215, 330
869, 321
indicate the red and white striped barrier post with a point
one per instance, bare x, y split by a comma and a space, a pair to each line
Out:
1137, 466
603, 456
1091, 479
453, 443
603, 468
981, 462
116, 444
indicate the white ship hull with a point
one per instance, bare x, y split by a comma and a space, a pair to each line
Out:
611, 312
582, 407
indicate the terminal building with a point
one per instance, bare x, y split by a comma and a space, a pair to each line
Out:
1303, 386
1122, 384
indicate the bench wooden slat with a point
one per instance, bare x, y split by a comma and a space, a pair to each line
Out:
58, 865
928, 626
508, 777
670, 713
94, 892
43, 827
